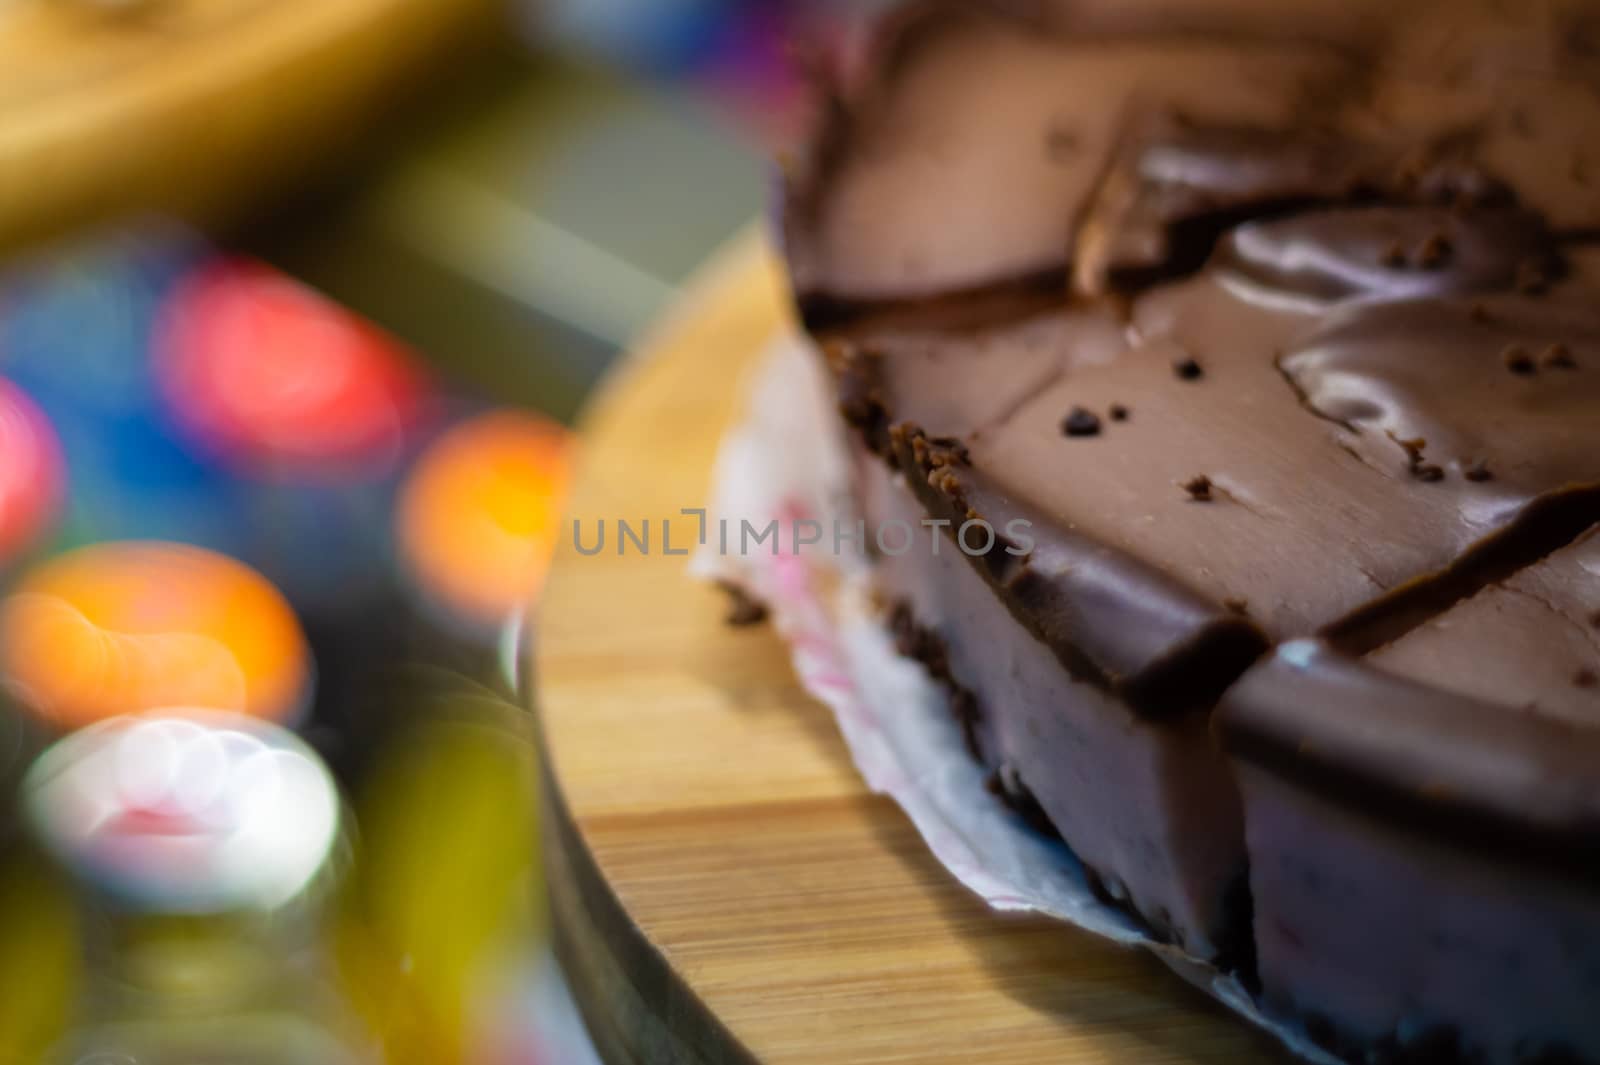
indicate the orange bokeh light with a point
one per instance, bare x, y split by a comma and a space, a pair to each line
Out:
126, 628
478, 517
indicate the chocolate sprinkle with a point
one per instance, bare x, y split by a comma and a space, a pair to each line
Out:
1428, 472
1199, 488
1394, 256
1586, 678
1237, 606
1118, 412
1081, 422
1188, 369
1477, 471
1518, 361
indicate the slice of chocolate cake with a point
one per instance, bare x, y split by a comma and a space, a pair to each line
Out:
1180, 330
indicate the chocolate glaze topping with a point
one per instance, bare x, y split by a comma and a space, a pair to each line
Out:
1459, 766
1177, 187
1522, 642
1433, 373
946, 167
974, 145
1319, 514
1110, 619
1339, 253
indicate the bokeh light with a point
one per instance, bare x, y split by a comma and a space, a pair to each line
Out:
272, 376
187, 811
32, 476
479, 516
125, 628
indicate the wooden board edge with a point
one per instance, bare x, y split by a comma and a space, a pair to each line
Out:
615, 973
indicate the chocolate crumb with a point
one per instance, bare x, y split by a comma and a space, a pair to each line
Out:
1477, 471
1413, 446
947, 451
1422, 471
1558, 357
1586, 678
1199, 488
1518, 361
1435, 252
1081, 422
743, 610
1394, 256
1118, 412
1594, 619
1236, 605
1188, 369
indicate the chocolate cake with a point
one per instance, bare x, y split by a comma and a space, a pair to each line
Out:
1245, 364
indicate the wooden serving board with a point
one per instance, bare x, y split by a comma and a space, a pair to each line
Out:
724, 887
196, 107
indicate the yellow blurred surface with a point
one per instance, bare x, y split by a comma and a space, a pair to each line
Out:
443, 893
40, 967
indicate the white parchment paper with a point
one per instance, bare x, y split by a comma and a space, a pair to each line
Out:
787, 460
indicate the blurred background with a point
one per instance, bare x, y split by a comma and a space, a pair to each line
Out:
298, 301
